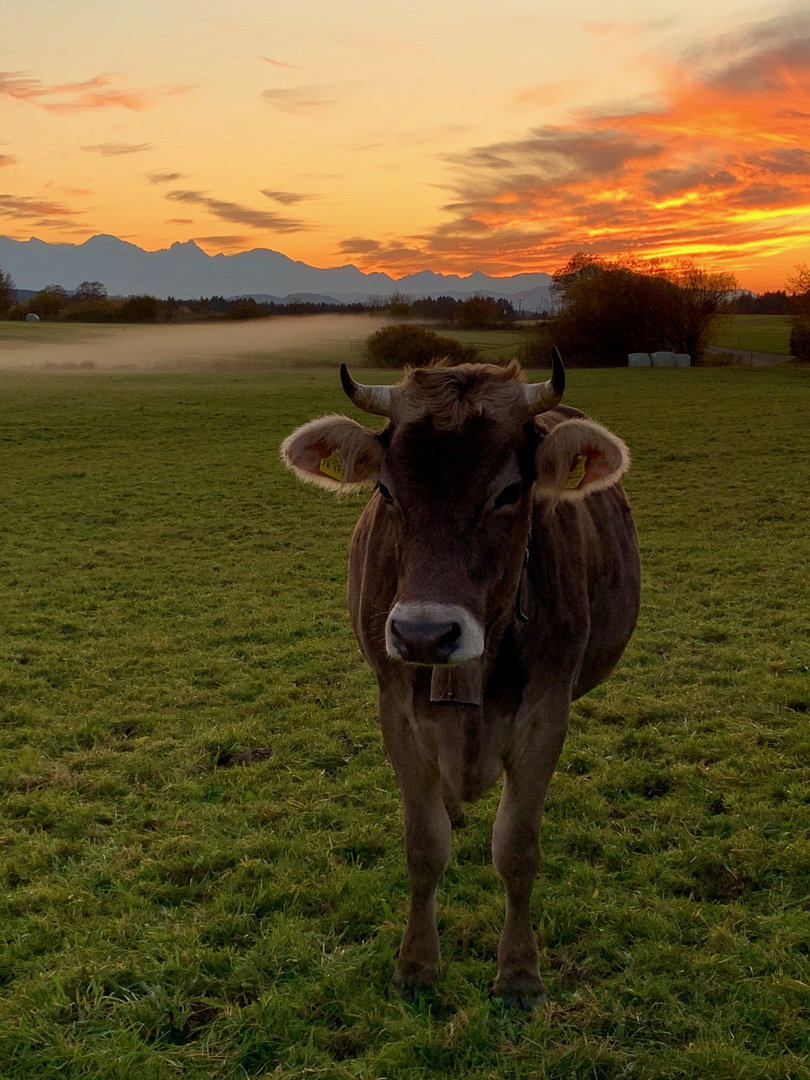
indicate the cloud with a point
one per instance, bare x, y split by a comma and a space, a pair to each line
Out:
179, 221
230, 241
40, 212
717, 167
95, 93
287, 198
110, 149
299, 99
165, 177
278, 63
238, 214
6, 160
355, 245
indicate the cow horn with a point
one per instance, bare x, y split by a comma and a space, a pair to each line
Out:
373, 399
540, 397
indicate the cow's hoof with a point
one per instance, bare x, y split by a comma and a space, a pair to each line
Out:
413, 986
523, 994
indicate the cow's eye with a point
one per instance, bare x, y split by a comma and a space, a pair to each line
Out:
386, 494
509, 495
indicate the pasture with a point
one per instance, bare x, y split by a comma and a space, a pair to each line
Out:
754, 333
172, 597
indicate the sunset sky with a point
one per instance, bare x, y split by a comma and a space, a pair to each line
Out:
399, 136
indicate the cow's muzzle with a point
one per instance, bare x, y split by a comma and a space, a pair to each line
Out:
433, 634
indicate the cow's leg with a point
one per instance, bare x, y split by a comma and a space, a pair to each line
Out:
427, 852
516, 855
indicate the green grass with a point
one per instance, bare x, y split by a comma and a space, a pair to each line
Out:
754, 333
171, 595
494, 346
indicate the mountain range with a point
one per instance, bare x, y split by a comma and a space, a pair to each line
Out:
184, 270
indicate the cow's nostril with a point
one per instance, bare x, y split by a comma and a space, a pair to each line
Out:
420, 641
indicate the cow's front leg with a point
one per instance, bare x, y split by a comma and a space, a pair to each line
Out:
516, 855
427, 852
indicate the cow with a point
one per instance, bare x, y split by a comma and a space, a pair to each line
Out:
493, 578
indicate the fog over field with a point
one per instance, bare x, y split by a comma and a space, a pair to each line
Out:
254, 344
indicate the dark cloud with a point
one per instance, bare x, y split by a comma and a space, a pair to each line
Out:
756, 58
794, 162
110, 149
23, 206
223, 241
358, 245
165, 177
556, 154
239, 215
287, 198
673, 181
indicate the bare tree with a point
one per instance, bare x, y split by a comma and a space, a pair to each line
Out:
91, 290
700, 300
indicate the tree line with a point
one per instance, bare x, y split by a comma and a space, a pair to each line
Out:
90, 302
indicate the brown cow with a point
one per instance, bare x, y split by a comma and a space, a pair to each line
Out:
493, 578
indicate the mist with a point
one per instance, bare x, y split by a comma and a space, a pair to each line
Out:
276, 343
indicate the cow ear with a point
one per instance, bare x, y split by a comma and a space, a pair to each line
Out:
334, 453
578, 457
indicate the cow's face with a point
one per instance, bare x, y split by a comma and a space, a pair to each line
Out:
457, 486
459, 504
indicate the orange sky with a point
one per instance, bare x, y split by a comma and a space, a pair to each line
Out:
434, 134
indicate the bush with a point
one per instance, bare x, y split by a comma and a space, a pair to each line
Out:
535, 349
398, 346
48, 303
141, 309
99, 310
246, 308
484, 313
800, 343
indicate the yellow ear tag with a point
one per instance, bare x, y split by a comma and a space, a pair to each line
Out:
332, 466
577, 474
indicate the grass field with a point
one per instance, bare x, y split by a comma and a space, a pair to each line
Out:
172, 596
19, 334
754, 333
291, 342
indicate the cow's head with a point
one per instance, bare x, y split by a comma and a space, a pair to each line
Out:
457, 469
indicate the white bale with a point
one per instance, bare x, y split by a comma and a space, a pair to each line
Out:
31, 317
683, 359
638, 359
663, 359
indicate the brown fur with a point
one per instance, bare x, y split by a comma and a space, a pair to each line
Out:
452, 396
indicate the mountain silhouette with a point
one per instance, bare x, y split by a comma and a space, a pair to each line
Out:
185, 270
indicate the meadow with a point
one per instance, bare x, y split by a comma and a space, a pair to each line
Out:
291, 342
754, 333
173, 598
